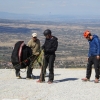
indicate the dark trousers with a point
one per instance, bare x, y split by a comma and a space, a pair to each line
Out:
48, 60
17, 72
29, 72
92, 60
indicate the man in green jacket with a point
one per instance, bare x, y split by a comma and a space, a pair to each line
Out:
34, 43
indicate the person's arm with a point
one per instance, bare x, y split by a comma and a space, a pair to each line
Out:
89, 50
97, 42
38, 46
29, 44
43, 46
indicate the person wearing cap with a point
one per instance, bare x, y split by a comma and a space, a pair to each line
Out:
93, 56
34, 44
49, 47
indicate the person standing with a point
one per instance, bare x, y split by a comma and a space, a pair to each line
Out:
93, 56
34, 44
49, 47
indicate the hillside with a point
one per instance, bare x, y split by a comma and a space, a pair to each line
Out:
72, 49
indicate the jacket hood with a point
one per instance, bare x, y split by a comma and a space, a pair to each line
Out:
55, 38
95, 36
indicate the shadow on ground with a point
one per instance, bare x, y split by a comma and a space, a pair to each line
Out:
47, 75
66, 79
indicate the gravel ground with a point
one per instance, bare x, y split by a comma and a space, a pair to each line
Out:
66, 86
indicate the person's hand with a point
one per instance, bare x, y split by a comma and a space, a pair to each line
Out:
87, 59
37, 53
98, 57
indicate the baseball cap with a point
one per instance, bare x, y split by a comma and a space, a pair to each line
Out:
34, 34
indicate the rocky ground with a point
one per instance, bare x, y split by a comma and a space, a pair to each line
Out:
66, 86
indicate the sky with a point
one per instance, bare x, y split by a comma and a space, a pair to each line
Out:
51, 7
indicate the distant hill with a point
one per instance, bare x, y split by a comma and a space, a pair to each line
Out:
49, 17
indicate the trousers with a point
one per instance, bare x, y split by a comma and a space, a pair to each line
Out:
48, 61
92, 60
29, 72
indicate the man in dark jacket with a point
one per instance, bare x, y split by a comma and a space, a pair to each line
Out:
93, 56
49, 47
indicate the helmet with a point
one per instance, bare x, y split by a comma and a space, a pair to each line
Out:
86, 33
47, 32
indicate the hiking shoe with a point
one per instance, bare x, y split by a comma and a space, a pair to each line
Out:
50, 82
96, 80
85, 79
39, 81
18, 77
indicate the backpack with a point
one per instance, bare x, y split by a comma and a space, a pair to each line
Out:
20, 56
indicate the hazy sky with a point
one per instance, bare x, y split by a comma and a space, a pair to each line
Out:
53, 7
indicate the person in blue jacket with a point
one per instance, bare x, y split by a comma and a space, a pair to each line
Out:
93, 56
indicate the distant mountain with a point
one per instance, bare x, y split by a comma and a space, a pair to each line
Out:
6, 15
14, 16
